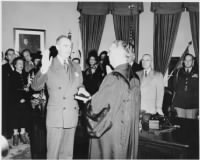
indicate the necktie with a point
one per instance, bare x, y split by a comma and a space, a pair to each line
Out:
145, 73
65, 65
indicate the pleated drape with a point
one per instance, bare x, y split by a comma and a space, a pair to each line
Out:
165, 32
91, 27
122, 28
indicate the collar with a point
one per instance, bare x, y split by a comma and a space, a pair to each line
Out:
188, 69
11, 66
61, 60
131, 63
94, 67
148, 70
123, 69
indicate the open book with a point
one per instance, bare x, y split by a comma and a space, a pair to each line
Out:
82, 97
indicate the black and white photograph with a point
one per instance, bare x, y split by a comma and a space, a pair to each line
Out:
100, 79
32, 39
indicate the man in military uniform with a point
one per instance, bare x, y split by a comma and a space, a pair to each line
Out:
186, 91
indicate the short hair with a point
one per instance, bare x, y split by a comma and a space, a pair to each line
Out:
188, 54
103, 52
25, 50
9, 49
92, 53
16, 59
61, 37
146, 54
124, 45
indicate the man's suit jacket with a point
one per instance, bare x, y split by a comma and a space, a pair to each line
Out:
62, 85
152, 91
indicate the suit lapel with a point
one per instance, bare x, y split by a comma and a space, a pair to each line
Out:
148, 79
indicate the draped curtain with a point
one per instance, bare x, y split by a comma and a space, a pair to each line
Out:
121, 26
91, 27
193, 9
126, 22
92, 21
166, 22
122, 29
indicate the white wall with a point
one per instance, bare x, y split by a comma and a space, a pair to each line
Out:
61, 17
55, 17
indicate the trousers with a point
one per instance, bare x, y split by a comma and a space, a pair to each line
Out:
60, 143
187, 113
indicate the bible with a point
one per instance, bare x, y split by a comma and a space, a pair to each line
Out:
82, 97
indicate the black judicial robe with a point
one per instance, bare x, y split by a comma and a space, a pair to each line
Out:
121, 141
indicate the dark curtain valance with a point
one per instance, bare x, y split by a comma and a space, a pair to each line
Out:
167, 7
192, 6
93, 8
126, 8
117, 8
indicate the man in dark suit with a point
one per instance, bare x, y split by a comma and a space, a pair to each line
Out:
7, 70
134, 66
186, 89
63, 79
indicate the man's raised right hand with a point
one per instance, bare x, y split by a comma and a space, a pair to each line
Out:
46, 62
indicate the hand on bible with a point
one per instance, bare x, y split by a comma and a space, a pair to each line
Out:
85, 93
46, 62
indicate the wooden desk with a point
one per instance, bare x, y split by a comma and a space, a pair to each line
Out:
179, 143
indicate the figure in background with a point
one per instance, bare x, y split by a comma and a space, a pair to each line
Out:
38, 114
186, 89
20, 102
7, 70
36, 58
152, 87
28, 65
92, 76
104, 63
134, 65
123, 97
63, 79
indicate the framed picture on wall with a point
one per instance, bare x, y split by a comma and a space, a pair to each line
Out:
32, 39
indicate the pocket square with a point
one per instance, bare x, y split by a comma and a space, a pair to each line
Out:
195, 76
76, 74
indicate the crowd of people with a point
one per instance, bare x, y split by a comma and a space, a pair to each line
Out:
38, 96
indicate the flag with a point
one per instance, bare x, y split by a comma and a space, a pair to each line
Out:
180, 61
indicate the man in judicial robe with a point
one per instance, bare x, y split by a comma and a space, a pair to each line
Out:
123, 97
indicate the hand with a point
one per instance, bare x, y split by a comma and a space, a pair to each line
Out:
85, 101
46, 62
108, 69
22, 100
26, 89
83, 91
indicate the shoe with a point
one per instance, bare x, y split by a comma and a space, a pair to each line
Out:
15, 139
24, 138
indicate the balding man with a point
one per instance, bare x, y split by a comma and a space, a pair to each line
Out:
152, 87
63, 79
